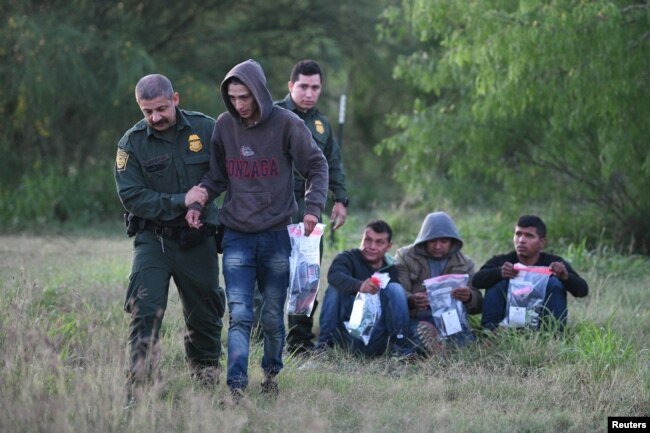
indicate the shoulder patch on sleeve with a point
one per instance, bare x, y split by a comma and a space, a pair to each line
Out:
121, 159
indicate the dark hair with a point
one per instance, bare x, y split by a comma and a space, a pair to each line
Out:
153, 86
234, 80
533, 221
305, 67
380, 226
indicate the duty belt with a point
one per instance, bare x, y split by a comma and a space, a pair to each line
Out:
174, 232
169, 232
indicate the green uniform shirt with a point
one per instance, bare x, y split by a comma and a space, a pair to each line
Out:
152, 173
321, 131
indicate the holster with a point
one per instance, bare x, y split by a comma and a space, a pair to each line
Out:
134, 224
218, 238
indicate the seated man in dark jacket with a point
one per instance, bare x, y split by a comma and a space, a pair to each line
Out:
529, 240
349, 274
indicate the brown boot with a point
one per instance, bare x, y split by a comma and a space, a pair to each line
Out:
206, 375
428, 340
236, 395
270, 386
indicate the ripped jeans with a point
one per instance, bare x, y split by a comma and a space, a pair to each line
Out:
250, 258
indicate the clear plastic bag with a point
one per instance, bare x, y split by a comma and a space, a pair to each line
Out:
366, 310
449, 314
526, 293
304, 269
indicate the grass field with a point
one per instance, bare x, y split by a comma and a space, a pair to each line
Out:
63, 356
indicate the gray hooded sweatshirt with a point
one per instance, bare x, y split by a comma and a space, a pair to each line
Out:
414, 264
439, 225
254, 164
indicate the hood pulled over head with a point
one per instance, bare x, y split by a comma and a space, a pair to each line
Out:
251, 74
439, 225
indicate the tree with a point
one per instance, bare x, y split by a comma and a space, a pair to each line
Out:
531, 100
68, 70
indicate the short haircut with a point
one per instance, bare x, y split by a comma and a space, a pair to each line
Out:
305, 67
380, 226
234, 80
153, 86
533, 221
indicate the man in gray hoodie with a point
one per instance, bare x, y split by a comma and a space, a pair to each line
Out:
255, 147
435, 252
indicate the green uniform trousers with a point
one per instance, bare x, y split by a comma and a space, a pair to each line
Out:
157, 259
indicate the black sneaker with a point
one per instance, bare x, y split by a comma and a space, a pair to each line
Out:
402, 349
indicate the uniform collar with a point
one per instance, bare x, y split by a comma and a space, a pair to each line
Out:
288, 102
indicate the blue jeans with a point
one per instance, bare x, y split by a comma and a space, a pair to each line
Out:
250, 258
495, 301
392, 328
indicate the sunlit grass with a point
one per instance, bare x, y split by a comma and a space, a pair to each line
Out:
63, 340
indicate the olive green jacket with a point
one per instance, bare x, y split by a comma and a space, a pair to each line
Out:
152, 174
413, 268
321, 131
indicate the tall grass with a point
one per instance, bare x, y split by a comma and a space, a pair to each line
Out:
63, 355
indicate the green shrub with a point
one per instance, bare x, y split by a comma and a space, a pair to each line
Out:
56, 195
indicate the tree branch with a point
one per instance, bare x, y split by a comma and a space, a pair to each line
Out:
162, 42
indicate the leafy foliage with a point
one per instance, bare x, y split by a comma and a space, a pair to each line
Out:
532, 101
50, 194
69, 68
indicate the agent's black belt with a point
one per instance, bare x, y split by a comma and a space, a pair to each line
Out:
174, 233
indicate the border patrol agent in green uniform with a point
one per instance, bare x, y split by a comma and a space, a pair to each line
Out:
305, 86
158, 161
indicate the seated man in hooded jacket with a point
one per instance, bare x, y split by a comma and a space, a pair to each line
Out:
435, 252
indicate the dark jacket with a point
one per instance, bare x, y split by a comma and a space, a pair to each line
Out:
349, 270
321, 131
254, 164
490, 273
152, 174
413, 262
